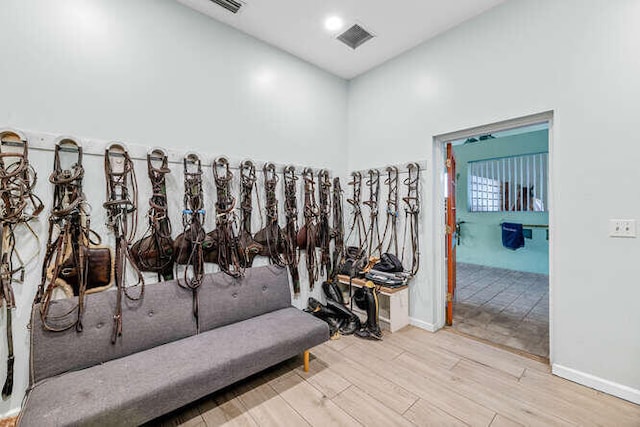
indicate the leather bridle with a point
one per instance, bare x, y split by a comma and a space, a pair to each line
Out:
357, 226
154, 252
190, 244
249, 248
324, 230
227, 232
391, 225
373, 232
121, 206
338, 228
291, 253
412, 210
310, 225
18, 206
271, 236
69, 240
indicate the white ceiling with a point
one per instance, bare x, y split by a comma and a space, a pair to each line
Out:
297, 26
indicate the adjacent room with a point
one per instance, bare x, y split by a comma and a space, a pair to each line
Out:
294, 213
502, 240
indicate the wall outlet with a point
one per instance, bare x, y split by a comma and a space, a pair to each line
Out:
622, 228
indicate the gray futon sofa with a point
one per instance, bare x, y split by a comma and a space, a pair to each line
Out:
160, 363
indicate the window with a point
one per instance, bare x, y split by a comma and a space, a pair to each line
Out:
508, 184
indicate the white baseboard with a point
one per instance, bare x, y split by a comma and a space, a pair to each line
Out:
609, 387
422, 324
10, 414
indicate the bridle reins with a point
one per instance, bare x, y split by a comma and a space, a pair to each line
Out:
18, 206
310, 225
324, 230
291, 253
412, 210
121, 206
391, 225
154, 252
373, 232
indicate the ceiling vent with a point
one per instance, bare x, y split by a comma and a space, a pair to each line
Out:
355, 36
231, 5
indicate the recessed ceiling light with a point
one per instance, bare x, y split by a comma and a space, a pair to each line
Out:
333, 23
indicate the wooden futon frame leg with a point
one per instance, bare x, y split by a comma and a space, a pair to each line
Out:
306, 361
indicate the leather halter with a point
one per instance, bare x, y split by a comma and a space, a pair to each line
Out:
338, 228
412, 210
121, 205
310, 225
324, 230
18, 206
248, 247
373, 232
357, 226
154, 251
271, 237
67, 260
227, 232
391, 225
291, 254
189, 245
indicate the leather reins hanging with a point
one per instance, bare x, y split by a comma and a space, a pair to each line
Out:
121, 205
72, 247
227, 232
412, 209
190, 244
271, 237
373, 232
357, 226
249, 248
324, 230
391, 225
291, 254
154, 252
308, 233
18, 206
338, 228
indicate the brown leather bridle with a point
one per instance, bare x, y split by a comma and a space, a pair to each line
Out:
338, 228
249, 248
412, 211
121, 206
18, 206
391, 225
291, 253
324, 230
310, 229
190, 244
373, 232
154, 251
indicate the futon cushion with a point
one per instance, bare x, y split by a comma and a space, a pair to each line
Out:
224, 299
142, 386
165, 314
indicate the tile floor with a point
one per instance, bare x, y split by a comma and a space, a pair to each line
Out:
506, 307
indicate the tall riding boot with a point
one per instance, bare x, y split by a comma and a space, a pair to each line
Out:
371, 330
323, 312
350, 323
332, 292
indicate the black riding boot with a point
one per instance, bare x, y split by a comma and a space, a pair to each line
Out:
371, 330
325, 313
350, 321
332, 292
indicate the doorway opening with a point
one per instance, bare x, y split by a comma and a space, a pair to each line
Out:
497, 236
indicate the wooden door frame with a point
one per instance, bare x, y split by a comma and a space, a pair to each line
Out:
439, 217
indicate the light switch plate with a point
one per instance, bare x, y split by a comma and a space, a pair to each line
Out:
622, 228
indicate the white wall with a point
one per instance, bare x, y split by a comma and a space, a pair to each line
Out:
580, 59
154, 73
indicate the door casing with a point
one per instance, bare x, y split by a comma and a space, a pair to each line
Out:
438, 247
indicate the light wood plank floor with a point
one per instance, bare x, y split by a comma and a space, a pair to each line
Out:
413, 377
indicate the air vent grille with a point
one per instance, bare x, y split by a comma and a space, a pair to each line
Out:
355, 36
231, 5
